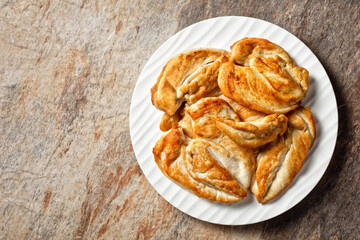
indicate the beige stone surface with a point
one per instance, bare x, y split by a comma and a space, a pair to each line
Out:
67, 72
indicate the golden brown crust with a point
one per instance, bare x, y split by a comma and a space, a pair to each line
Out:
280, 161
302, 119
194, 169
269, 161
168, 149
238, 160
204, 168
204, 114
202, 82
187, 77
262, 76
219, 139
244, 113
186, 124
168, 121
246, 49
255, 133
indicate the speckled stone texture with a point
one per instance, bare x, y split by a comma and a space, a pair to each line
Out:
67, 72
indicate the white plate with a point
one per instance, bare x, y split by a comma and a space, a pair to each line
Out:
221, 33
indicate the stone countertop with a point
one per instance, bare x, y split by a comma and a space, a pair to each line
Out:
67, 72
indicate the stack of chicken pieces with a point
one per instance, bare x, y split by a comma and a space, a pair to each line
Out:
233, 121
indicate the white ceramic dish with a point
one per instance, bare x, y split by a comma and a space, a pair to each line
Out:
221, 33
